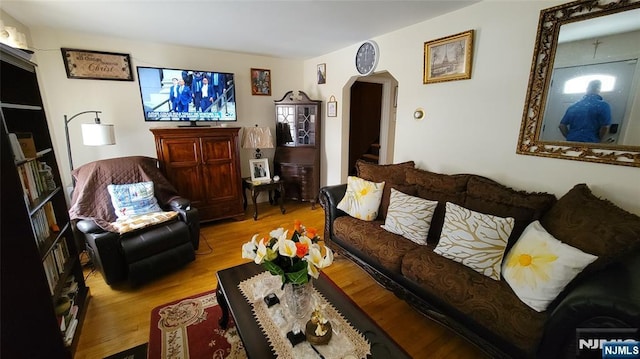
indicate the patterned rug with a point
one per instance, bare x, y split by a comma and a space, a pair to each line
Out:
188, 328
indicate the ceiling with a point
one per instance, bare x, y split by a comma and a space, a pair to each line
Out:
298, 29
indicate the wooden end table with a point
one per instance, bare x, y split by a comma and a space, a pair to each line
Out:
256, 188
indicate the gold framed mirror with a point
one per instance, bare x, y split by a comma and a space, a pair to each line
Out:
576, 43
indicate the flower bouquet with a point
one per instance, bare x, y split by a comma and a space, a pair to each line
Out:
294, 259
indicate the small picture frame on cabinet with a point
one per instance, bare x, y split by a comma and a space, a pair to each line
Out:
260, 170
332, 107
261, 82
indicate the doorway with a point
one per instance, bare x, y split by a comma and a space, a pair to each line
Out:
365, 115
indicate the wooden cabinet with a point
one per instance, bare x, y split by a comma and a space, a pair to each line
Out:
204, 165
297, 157
40, 266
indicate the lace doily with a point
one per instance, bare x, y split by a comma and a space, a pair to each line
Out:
276, 321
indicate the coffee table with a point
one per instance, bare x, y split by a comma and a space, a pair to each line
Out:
232, 301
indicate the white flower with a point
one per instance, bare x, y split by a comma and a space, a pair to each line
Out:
286, 247
249, 248
305, 240
260, 253
277, 233
328, 258
312, 270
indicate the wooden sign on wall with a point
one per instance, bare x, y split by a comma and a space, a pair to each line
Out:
97, 65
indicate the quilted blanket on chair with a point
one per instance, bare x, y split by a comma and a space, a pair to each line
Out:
91, 199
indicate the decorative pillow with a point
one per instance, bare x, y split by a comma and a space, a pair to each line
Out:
474, 239
593, 225
438, 187
133, 199
487, 196
128, 224
409, 216
362, 198
391, 175
538, 267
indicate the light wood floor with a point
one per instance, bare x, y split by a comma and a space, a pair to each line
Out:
118, 318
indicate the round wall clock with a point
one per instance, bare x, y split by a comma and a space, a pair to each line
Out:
367, 57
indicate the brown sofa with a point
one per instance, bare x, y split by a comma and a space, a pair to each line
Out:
485, 311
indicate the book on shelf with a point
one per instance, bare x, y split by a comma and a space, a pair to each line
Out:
51, 217
71, 330
36, 178
18, 155
27, 144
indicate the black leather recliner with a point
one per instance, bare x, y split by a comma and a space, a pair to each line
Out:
142, 254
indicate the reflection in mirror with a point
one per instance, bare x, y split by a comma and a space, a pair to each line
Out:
577, 43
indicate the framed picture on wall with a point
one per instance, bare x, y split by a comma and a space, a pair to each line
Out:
322, 74
260, 170
96, 65
448, 58
261, 82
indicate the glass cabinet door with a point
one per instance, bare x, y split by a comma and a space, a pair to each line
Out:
306, 125
285, 125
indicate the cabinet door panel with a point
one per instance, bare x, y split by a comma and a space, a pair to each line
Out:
181, 167
219, 168
182, 151
221, 181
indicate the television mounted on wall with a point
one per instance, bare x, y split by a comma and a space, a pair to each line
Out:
189, 96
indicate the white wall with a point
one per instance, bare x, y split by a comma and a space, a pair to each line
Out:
120, 102
471, 126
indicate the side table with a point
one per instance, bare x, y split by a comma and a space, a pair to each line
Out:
256, 188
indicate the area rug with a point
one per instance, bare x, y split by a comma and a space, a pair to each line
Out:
188, 328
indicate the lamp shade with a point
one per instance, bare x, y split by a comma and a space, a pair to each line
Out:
97, 134
257, 137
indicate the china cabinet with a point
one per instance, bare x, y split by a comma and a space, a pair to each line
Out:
297, 156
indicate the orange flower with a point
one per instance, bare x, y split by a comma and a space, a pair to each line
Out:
297, 226
311, 232
301, 249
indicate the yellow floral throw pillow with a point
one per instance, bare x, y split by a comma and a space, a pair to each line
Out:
362, 198
539, 266
474, 239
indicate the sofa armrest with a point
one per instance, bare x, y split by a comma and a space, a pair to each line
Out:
88, 226
188, 215
330, 196
606, 299
180, 203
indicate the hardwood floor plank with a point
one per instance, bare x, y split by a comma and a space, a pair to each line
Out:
118, 317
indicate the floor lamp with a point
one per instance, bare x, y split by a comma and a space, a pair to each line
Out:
93, 134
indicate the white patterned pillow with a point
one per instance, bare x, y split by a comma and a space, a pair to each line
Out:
362, 198
409, 216
539, 266
133, 199
474, 239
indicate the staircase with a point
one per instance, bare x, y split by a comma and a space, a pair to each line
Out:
373, 153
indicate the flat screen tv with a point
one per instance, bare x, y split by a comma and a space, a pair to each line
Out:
187, 95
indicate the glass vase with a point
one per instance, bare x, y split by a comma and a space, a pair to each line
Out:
298, 299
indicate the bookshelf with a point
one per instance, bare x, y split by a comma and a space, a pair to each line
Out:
44, 296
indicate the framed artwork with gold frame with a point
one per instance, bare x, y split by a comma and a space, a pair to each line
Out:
448, 58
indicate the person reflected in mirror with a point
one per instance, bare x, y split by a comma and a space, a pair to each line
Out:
587, 120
